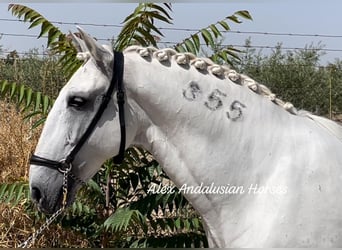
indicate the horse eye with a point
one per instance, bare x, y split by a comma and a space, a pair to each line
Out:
76, 102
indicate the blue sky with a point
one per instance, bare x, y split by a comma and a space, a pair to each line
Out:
287, 16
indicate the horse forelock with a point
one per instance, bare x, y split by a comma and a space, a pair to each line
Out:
216, 70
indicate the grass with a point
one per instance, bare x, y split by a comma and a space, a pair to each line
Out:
16, 226
17, 142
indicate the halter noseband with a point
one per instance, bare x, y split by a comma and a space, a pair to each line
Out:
117, 80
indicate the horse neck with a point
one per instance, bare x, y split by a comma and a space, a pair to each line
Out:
197, 125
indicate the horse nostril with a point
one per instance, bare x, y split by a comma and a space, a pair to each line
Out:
36, 194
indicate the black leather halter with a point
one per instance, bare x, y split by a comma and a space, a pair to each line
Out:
117, 81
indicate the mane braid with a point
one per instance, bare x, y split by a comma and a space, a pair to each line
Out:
221, 71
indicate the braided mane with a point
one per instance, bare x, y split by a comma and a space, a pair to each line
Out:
221, 71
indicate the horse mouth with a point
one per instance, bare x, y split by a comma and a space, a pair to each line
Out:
55, 203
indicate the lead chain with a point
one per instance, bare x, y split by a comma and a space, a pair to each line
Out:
35, 235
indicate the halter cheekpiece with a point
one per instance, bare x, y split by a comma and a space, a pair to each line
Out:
117, 81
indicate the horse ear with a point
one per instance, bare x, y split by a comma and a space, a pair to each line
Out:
78, 42
97, 51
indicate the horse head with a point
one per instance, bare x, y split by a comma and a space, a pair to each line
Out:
82, 129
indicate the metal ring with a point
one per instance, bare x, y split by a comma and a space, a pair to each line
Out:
65, 167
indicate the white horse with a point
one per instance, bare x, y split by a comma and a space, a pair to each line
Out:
259, 173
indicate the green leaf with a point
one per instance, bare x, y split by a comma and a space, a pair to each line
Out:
196, 41
159, 17
233, 54
4, 87
32, 114
245, 14
186, 224
38, 101
13, 89
215, 31
46, 26
139, 24
152, 27
3, 190
146, 36
46, 102
140, 40
123, 218
28, 97
39, 122
190, 46
180, 48
223, 55
178, 223
162, 10
64, 46
53, 34
207, 37
21, 93
234, 18
13, 193
195, 223
224, 25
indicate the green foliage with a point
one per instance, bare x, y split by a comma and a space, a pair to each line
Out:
140, 25
297, 77
335, 86
123, 219
26, 97
58, 42
14, 193
41, 73
210, 34
36, 19
28, 100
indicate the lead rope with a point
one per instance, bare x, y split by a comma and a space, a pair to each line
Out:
30, 241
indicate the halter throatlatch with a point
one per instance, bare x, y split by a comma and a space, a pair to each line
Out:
117, 81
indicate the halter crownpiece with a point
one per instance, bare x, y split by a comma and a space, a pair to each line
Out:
117, 81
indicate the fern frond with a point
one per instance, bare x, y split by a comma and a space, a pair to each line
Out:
124, 218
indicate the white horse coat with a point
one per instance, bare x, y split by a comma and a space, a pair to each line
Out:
266, 176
